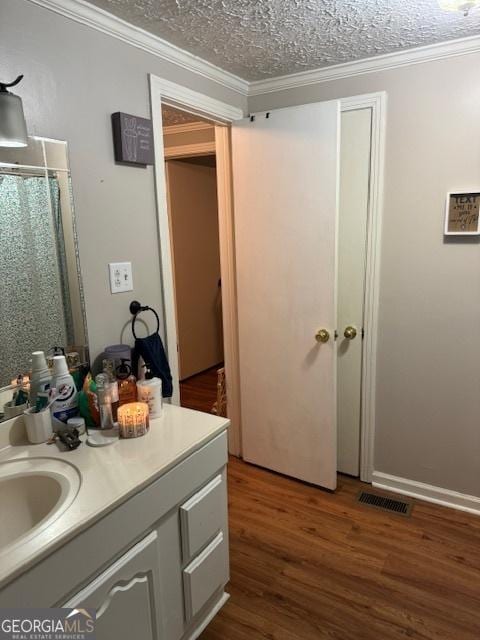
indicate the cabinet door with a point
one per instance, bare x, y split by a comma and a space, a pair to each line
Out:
126, 595
205, 575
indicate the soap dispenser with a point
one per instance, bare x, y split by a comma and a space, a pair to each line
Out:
127, 383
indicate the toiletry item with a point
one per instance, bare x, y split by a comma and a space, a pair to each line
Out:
77, 423
74, 367
38, 425
65, 405
111, 386
102, 438
20, 395
73, 359
104, 401
44, 399
133, 420
11, 410
117, 353
150, 391
22, 380
52, 395
88, 402
41, 377
54, 351
127, 383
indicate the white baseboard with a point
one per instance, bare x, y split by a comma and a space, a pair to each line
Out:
427, 492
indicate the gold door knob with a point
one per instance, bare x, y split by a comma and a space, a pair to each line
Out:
350, 333
322, 335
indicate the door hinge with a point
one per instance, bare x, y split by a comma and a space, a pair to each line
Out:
363, 333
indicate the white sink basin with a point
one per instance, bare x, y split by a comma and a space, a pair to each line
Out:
33, 493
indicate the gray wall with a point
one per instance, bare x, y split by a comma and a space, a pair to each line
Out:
428, 385
75, 78
428, 400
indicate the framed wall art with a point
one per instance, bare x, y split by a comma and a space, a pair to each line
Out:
132, 139
462, 213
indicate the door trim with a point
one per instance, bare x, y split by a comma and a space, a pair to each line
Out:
377, 102
166, 92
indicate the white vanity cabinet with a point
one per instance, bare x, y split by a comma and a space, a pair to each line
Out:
154, 567
124, 595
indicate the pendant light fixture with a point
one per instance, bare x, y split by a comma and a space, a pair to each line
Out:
13, 129
458, 5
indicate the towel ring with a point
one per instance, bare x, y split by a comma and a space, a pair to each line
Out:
135, 309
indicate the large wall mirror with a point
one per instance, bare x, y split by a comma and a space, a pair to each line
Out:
41, 295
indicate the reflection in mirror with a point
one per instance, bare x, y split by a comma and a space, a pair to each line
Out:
41, 294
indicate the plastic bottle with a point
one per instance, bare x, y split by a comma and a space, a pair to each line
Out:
41, 377
65, 405
104, 401
111, 386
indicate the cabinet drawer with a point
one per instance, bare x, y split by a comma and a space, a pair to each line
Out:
203, 516
204, 575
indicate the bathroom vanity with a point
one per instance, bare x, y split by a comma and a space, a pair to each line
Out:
137, 530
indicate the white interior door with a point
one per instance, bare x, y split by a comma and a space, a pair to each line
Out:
352, 251
285, 178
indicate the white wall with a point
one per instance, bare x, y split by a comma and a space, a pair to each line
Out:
75, 78
428, 384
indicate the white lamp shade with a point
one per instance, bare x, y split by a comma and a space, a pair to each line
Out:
13, 129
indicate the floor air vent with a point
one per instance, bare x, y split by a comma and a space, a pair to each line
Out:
385, 503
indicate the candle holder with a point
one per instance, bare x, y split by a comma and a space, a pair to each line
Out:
133, 420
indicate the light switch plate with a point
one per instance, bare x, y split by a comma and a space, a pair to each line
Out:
120, 277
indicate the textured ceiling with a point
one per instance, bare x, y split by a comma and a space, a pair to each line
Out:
258, 39
171, 116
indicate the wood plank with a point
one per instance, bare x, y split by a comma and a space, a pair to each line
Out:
308, 564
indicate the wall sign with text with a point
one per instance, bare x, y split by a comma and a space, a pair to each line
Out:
132, 139
462, 213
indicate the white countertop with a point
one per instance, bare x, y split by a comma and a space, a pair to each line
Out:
109, 475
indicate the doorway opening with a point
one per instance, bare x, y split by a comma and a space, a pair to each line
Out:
221, 115
235, 137
191, 181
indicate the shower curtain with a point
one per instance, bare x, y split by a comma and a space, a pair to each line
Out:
34, 299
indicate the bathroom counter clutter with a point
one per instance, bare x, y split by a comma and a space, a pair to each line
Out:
100, 481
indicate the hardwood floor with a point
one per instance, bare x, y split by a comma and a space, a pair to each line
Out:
200, 391
307, 564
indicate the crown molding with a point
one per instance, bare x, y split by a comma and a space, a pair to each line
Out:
105, 22
96, 18
417, 55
